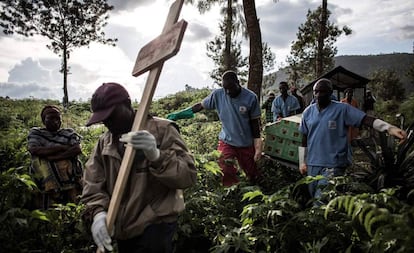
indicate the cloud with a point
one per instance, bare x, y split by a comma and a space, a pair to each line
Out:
129, 41
280, 21
26, 90
407, 32
198, 32
41, 78
29, 71
126, 5
28, 68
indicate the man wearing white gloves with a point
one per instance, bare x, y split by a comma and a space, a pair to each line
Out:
152, 198
325, 147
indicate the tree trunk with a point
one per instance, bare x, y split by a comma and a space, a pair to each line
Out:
255, 79
228, 30
64, 69
322, 31
65, 79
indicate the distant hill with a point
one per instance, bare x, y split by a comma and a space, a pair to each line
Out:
365, 65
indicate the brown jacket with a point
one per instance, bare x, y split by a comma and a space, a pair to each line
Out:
153, 192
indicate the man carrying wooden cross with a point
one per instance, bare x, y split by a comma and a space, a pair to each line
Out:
161, 167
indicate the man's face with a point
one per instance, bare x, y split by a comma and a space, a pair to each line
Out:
349, 94
283, 88
232, 88
322, 94
120, 120
53, 121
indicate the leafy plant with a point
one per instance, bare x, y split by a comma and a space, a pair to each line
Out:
380, 221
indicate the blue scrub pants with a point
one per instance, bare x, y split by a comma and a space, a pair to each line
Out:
315, 188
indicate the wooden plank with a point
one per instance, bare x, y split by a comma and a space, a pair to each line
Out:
160, 49
139, 123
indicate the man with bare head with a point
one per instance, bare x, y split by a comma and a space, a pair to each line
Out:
284, 105
239, 139
324, 126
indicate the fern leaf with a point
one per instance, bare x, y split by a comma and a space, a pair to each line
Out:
372, 213
366, 208
331, 205
383, 216
359, 205
347, 198
350, 206
251, 195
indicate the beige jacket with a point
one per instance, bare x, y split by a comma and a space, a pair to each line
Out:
153, 192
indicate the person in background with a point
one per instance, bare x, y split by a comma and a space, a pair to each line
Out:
284, 105
239, 139
324, 127
353, 132
267, 106
55, 165
369, 102
161, 168
294, 91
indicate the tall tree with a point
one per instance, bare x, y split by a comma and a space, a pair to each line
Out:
224, 60
232, 25
68, 24
304, 51
321, 38
254, 82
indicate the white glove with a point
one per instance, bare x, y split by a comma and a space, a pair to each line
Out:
100, 232
144, 141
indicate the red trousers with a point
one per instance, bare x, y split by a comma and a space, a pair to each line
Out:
245, 159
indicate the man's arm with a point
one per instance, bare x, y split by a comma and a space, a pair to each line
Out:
295, 106
382, 126
186, 113
277, 114
197, 107
302, 153
69, 152
55, 153
257, 141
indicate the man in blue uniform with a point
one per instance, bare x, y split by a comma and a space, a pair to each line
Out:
324, 127
284, 105
239, 139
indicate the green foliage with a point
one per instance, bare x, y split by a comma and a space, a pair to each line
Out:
65, 230
236, 61
406, 109
276, 215
387, 85
59, 229
380, 222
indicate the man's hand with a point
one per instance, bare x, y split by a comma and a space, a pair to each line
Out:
142, 140
397, 132
100, 232
183, 114
302, 153
258, 147
303, 168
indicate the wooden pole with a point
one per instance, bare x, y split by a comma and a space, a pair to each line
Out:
141, 116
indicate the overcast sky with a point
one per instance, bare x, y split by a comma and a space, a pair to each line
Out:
29, 69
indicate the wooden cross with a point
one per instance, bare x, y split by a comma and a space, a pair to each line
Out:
151, 57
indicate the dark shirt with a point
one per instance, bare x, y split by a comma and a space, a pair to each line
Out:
369, 103
267, 105
301, 103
